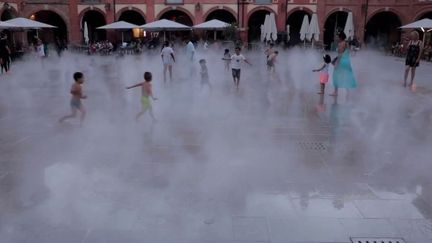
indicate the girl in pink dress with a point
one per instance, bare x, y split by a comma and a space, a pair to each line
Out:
324, 73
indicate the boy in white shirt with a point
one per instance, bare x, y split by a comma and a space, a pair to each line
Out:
236, 62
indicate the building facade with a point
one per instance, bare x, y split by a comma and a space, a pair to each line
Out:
374, 20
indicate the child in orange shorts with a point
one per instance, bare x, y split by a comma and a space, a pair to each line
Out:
324, 73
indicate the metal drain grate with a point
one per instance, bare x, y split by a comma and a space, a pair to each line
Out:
377, 240
312, 145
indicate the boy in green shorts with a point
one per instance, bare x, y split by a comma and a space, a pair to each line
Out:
146, 94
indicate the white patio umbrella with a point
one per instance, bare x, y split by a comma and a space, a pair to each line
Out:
424, 24
119, 25
313, 31
273, 27
5, 25
86, 33
304, 28
24, 23
349, 27
262, 33
28, 24
213, 24
164, 25
267, 27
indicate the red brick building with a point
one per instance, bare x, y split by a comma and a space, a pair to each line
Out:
372, 18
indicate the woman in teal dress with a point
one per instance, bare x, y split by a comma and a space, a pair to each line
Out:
343, 76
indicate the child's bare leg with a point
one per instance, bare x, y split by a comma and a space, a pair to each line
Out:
72, 115
140, 114
413, 71
83, 114
406, 76
322, 89
170, 71
151, 113
335, 93
164, 72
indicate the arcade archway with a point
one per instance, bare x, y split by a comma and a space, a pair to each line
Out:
49, 35
7, 14
177, 16
426, 15
428, 37
133, 17
382, 30
222, 15
94, 19
334, 24
295, 21
254, 24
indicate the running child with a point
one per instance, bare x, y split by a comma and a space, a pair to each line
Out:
77, 96
324, 72
237, 60
227, 58
204, 73
146, 94
271, 59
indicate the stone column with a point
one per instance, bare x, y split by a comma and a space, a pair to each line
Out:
74, 29
321, 12
150, 5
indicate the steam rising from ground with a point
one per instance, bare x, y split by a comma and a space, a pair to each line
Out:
210, 153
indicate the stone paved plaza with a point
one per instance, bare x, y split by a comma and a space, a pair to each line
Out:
273, 162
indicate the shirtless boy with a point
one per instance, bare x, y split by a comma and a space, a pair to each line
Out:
77, 96
146, 94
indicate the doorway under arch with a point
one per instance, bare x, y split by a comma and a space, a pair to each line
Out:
49, 35
428, 37
7, 14
222, 15
94, 19
295, 21
254, 24
382, 30
177, 16
334, 24
133, 17
10, 13
426, 15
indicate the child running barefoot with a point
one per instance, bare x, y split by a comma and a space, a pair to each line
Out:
146, 93
324, 73
237, 61
227, 59
77, 96
204, 74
